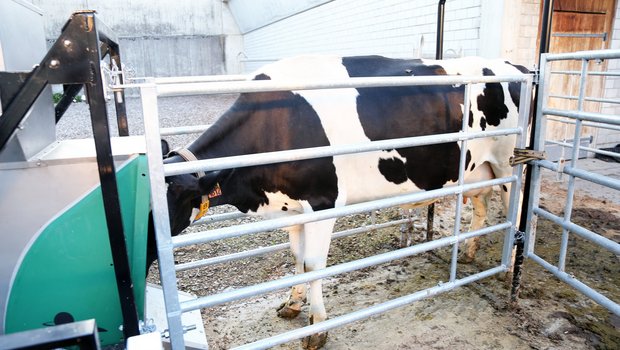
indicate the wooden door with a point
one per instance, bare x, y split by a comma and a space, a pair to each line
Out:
578, 25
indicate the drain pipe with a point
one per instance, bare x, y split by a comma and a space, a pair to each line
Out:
441, 9
430, 214
545, 39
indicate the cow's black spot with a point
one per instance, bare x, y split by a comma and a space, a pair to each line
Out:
471, 118
262, 76
483, 123
284, 208
396, 112
393, 170
473, 166
515, 88
467, 158
491, 101
505, 188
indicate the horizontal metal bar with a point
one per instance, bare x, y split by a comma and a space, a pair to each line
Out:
325, 151
580, 286
271, 224
589, 99
277, 247
369, 311
589, 116
578, 72
581, 35
218, 217
583, 55
365, 82
584, 148
259, 59
288, 281
599, 179
584, 233
179, 130
590, 124
582, 174
200, 79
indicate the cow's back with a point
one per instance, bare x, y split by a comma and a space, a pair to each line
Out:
369, 114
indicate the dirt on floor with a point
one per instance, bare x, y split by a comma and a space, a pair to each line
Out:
549, 315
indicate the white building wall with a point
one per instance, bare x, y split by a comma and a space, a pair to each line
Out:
391, 28
520, 31
610, 138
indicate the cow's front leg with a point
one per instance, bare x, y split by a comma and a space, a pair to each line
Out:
316, 247
296, 300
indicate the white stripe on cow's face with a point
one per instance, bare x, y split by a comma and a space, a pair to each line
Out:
359, 178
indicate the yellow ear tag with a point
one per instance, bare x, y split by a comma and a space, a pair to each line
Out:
204, 208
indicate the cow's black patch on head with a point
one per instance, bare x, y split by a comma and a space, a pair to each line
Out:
491, 102
393, 170
483, 123
396, 112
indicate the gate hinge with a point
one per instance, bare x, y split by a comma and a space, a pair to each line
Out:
525, 155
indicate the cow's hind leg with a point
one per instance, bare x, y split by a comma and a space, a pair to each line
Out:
316, 246
292, 306
479, 203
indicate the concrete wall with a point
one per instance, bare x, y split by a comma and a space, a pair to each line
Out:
611, 138
161, 38
519, 33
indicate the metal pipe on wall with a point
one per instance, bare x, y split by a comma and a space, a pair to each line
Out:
441, 9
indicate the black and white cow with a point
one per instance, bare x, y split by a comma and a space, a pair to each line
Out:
275, 121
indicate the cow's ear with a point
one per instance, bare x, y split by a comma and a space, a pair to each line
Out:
208, 182
165, 147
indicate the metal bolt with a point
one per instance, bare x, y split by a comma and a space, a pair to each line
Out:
67, 43
54, 63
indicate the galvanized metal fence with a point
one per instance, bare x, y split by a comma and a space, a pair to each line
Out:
579, 118
166, 244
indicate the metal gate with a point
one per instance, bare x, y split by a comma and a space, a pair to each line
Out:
569, 163
166, 244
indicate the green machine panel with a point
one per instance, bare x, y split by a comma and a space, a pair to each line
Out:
67, 273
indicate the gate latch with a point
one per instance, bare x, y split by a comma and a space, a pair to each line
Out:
522, 155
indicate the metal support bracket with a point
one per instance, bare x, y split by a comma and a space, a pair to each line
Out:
525, 155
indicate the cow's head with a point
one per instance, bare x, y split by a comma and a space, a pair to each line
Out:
185, 193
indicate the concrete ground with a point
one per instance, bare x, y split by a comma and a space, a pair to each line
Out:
600, 167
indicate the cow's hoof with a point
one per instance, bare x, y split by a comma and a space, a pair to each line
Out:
315, 341
289, 309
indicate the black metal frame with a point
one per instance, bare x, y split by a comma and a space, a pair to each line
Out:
74, 60
82, 334
545, 39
